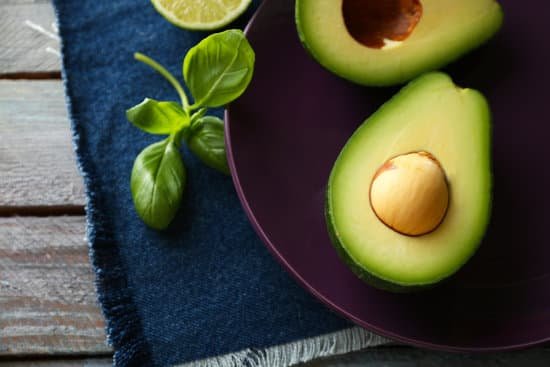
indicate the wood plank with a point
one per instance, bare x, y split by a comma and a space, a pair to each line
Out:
377, 357
19, 2
87, 362
37, 163
29, 42
47, 296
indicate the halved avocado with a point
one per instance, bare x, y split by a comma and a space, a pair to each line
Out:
408, 198
373, 42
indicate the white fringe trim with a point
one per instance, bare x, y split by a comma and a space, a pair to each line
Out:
340, 342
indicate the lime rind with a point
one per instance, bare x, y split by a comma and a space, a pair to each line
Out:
229, 17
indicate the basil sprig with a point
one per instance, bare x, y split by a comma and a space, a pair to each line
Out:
216, 71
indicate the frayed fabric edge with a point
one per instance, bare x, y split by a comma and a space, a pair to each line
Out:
284, 355
123, 326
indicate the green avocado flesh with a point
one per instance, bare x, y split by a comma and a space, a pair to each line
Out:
432, 115
442, 31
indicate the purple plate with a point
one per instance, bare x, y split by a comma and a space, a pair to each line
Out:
284, 134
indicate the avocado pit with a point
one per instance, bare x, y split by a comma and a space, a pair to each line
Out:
373, 22
409, 193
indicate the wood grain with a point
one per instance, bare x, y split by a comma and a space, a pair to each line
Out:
87, 362
37, 164
47, 297
28, 42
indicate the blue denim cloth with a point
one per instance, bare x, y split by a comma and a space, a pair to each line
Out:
206, 286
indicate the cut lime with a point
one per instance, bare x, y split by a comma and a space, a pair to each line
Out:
201, 14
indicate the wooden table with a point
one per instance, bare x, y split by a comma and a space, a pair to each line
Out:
49, 315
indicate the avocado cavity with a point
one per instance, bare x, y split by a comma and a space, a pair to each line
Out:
378, 24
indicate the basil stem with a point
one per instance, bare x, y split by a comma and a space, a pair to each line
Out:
167, 75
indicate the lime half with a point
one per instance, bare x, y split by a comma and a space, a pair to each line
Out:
201, 14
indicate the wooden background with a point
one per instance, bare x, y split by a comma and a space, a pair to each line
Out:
48, 310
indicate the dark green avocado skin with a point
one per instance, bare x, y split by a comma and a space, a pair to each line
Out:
360, 272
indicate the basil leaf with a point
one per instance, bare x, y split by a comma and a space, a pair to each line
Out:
205, 139
157, 117
157, 183
219, 68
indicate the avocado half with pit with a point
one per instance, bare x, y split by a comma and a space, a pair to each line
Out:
408, 199
386, 42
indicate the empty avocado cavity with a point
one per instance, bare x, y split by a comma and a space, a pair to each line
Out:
376, 23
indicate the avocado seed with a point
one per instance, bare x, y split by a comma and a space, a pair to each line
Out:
409, 193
